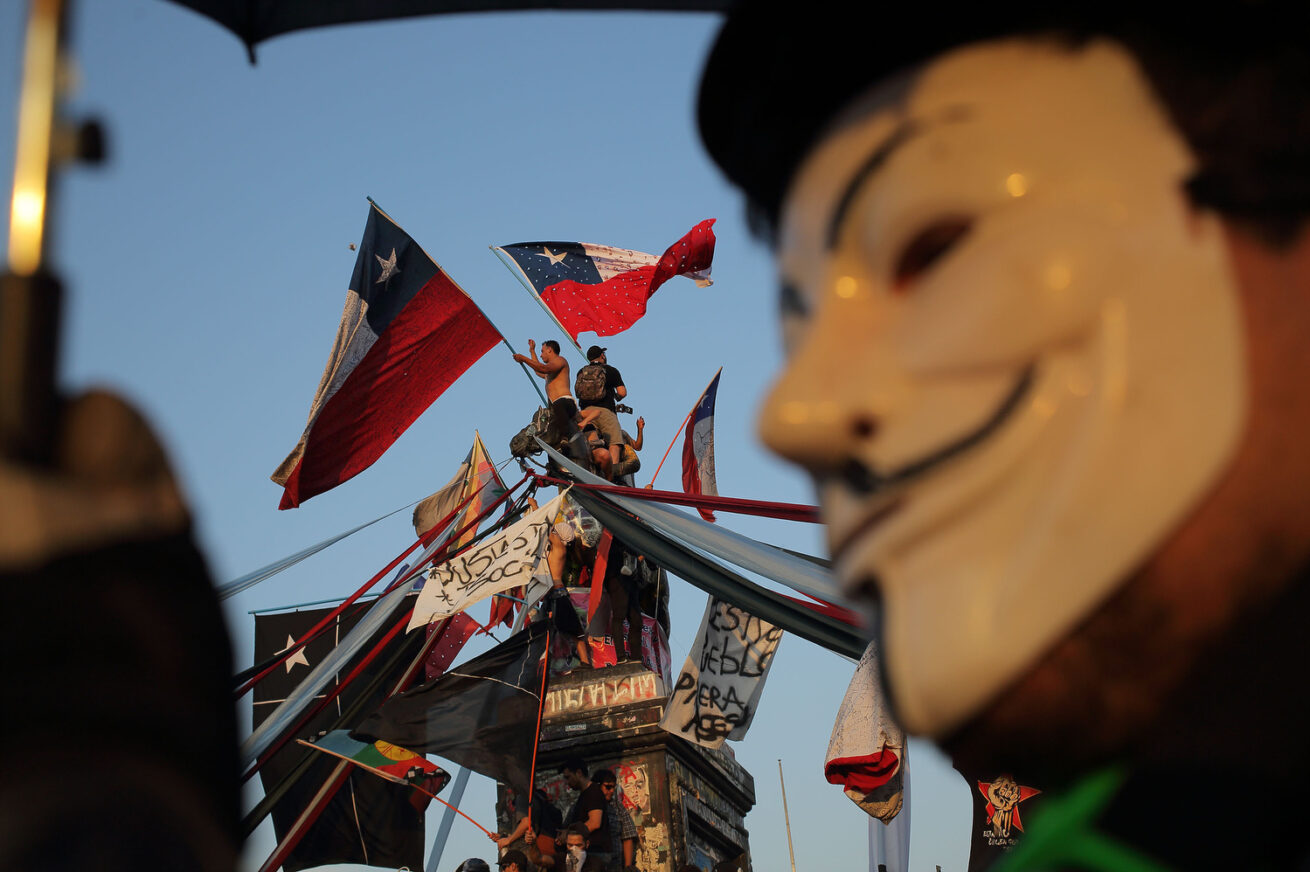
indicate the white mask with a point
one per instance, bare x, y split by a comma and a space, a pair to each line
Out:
1046, 400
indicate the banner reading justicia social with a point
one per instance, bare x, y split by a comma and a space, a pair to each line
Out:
500, 563
719, 688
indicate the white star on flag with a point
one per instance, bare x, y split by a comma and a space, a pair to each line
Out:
388, 267
552, 256
298, 657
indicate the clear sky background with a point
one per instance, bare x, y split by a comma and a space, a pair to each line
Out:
206, 264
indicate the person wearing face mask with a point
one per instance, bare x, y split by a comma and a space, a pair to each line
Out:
1045, 284
576, 857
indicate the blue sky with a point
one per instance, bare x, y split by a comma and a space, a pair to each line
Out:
207, 261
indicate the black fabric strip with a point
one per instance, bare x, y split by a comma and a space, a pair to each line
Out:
720, 582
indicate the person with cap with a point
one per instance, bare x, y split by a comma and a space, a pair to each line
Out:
599, 387
473, 864
513, 861
1045, 286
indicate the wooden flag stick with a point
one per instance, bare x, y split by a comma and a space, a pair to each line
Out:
681, 427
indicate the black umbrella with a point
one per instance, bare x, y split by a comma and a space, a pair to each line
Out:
257, 20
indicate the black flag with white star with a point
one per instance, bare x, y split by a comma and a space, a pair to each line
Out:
370, 820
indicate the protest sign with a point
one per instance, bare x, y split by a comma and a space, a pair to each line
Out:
719, 688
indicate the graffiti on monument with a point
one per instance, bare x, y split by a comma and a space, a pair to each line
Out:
602, 693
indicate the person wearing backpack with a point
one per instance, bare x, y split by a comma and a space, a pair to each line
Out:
598, 389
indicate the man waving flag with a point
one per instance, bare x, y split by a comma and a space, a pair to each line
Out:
407, 332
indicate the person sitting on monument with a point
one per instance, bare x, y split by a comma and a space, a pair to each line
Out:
599, 387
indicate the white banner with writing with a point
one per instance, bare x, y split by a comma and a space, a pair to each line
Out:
719, 688
500, 563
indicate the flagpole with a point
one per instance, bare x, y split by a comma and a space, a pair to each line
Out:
674, 442
786, 817
541, 707
518, 274
466, 294
683, 425
531, 377
443, 831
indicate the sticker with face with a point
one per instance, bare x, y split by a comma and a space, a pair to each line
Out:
1014, 354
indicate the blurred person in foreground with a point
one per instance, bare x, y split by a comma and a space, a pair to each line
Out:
1045, 288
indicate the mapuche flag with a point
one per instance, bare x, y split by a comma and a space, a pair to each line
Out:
369, 820
481, 714
407, 332
698, 447
605, 289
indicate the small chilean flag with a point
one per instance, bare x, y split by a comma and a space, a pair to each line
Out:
407, 332
604, 289
698, 448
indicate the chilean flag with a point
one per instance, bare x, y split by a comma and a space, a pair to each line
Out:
407, 332
605, 289
698, 448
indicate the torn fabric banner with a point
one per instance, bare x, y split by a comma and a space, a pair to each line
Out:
698, 447
475, 480
605, 289
406, 333
495, 565
481, 714
866, 753
719, 688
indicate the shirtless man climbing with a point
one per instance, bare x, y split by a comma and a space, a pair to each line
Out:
553, 368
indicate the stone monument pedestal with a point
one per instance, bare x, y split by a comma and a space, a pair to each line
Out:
689, 803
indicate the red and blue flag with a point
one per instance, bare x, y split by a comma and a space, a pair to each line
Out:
698, 448
598, 288
406, 333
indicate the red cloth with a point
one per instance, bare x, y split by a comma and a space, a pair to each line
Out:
454, 634
598, 574
763, 508
865, 773
615, 305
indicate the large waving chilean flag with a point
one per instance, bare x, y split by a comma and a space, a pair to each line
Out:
407, 332
604, 289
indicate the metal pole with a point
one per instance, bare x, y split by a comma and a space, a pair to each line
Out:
443, 831
786, 817
518, 274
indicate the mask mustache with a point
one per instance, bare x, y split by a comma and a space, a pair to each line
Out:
866, 481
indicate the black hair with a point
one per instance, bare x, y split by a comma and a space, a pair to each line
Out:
604, 776
551, 344
1234, 77
575, 763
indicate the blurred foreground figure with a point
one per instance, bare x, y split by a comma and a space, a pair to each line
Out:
119, 735
1045, 291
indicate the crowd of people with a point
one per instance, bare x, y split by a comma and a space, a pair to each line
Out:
584, 412
598, 834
